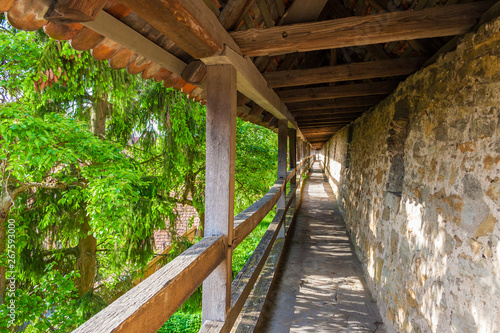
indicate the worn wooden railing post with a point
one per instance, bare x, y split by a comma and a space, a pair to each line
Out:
219, 188
282, 159
292, 146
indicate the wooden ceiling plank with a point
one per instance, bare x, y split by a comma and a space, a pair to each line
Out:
280, 7
327, 112
357, 31
317, 121
377, 50
365, 101
348, 72
302, 11
351, 90
233, 13
330, 123
266, 15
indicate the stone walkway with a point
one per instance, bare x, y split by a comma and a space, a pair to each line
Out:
320, 287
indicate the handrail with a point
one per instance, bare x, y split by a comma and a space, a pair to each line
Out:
146, 307
246, 221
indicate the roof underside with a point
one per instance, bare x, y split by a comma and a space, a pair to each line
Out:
327, 60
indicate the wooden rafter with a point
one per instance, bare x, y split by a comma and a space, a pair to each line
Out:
188, 23
350, 90
335, 103
192, 26
365, 30
233, 13
326, 112
348, 72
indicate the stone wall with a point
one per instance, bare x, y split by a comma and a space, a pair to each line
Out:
418, 182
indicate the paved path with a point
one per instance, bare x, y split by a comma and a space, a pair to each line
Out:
320, 287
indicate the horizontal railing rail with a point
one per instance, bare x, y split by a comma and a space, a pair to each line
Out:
147, 306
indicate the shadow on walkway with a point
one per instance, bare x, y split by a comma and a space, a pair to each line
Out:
320, 285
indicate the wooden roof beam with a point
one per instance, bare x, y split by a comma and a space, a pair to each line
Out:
348, 72
364, 30
349, 90
328, 112
339, 103
192, 26
321, 118
321, 130
330, 123
233, 13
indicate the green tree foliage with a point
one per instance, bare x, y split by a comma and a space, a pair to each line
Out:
61, 183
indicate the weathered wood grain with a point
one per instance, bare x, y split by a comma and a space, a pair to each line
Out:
85, 39
122, 58
146, 307
322, 117
282, 160
138, 65
350, 90
255, 303
252, 84
246, 221
62, 31
245, 280
364, 30
5, 5
105, 49
26, 14
188, 23
348, 72
195, 72
73, 11
211, 326
339, 103
150, 71
325, 112
219, 184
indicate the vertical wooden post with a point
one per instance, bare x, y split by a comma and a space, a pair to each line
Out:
292, 146
282, 159
219, 188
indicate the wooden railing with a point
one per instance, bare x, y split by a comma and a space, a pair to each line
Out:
146, 307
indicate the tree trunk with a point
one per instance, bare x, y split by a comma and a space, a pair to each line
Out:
98, 116
86, 260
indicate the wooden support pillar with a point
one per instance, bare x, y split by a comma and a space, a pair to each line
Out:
219, 188
292, 143
292, 146
282, 159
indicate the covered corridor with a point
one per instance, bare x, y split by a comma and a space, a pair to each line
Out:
319, 286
